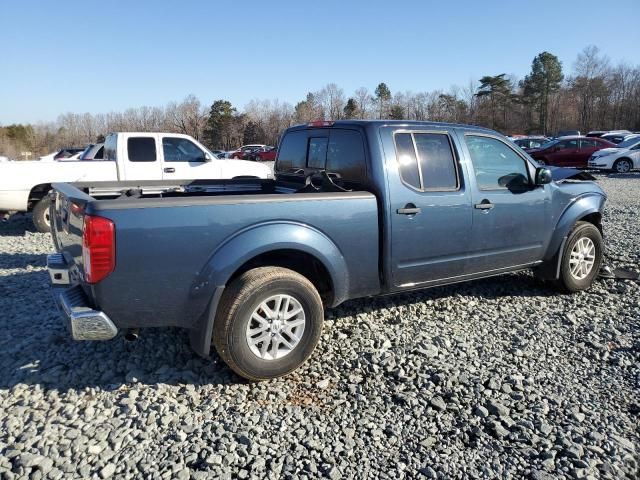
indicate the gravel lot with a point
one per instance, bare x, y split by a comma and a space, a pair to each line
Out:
500, 378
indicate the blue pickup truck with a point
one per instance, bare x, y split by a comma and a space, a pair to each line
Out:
357, 209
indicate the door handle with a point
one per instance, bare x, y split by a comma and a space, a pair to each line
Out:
484, 205
169, 170
409, 209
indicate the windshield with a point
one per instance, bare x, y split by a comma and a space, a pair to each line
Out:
629, 142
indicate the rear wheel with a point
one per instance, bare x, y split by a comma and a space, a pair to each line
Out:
268, 323
622, 166
582, 258
40, 215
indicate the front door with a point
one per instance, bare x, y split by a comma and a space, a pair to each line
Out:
510, 214
430, 207
184, 160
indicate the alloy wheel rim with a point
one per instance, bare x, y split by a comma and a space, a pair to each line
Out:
276, 327
622, 167
582, 259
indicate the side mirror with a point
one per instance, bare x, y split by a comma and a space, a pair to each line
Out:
543, 176
207, 157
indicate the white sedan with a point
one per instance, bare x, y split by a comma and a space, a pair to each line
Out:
623, 159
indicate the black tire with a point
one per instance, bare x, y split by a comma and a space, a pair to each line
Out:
623, 165
241, 298
40, 215
567, 280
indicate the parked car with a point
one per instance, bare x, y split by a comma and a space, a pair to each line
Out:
93, 152
568, 133
622, 159
266, 154
358, 208
569, 151
596, 133
127, 156
617, 137
243, 150
528, 143
219, 153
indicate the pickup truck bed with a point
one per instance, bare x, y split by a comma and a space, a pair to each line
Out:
179, 247
358, 208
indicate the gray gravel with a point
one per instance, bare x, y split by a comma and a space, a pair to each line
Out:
500, 378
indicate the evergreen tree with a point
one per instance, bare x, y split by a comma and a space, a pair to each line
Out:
350, 109
396, 112
383, 95
545, 78
219, 123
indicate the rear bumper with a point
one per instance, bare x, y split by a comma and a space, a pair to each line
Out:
81, 319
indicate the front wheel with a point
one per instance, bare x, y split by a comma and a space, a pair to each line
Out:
40, 215
622, 166
582, 258
268, 323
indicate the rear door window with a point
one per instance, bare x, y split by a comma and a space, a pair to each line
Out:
407, 160
588, 143
426, 161
436, 160
568, 145
141, 149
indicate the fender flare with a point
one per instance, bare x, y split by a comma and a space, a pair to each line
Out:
248, 244
580, 208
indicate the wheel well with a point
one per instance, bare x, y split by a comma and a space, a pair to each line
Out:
303, 263
594, 218
37, 193
624, 158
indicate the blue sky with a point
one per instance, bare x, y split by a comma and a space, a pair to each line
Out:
90, 56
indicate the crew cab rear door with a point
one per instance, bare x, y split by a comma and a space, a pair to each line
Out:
138, 156
430, 206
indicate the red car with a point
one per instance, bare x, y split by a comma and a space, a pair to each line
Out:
244, 150
266, 154
569, 151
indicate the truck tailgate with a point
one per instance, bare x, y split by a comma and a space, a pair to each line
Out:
67, 220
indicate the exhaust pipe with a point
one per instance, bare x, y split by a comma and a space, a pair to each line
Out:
132, 335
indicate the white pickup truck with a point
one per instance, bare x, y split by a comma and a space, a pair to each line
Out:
127, 156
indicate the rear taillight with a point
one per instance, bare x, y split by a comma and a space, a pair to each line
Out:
98, 248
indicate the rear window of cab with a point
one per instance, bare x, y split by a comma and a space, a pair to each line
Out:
335, 150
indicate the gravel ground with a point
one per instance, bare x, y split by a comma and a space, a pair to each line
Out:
501, 378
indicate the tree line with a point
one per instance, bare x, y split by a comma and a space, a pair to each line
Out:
595, 94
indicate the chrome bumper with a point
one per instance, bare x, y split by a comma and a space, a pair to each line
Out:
83, 321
